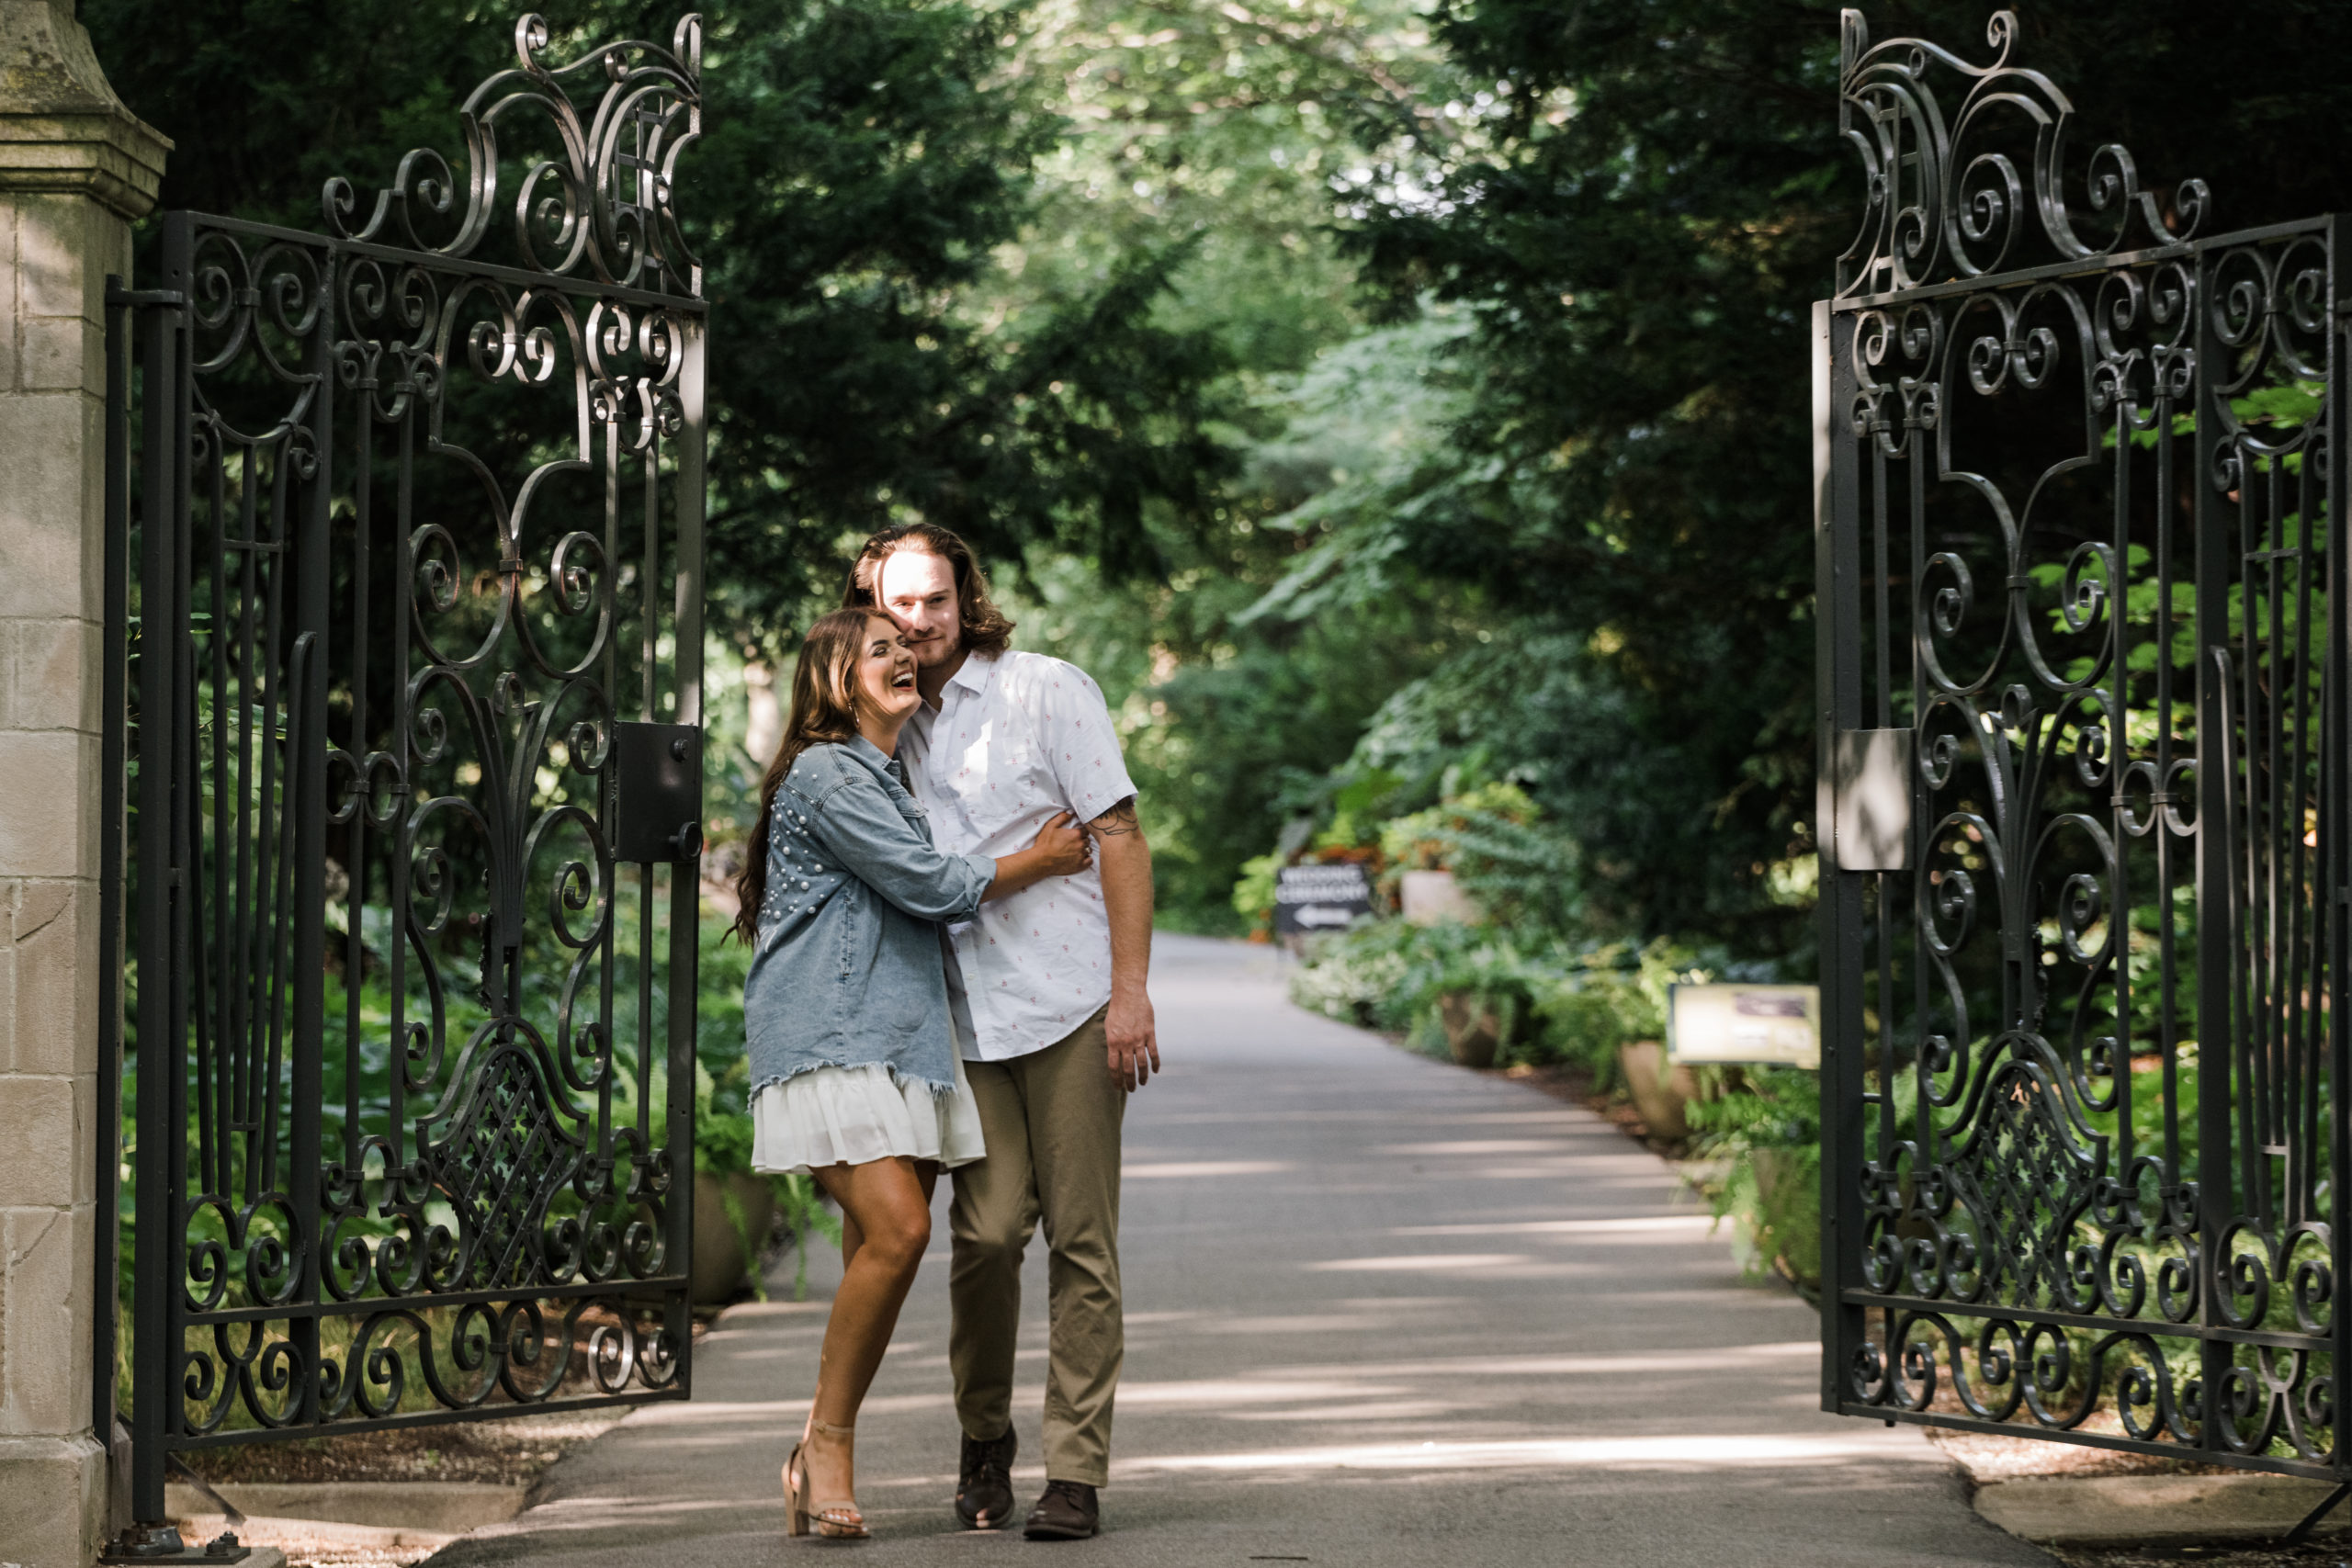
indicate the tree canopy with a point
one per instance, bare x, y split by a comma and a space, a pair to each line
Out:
863, 162
1381, 397
1645, 198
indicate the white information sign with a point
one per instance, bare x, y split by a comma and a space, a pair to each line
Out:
1770, 1025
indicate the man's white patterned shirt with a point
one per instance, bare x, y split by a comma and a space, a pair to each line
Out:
1017, 738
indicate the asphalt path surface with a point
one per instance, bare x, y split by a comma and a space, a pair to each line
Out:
1379, 1311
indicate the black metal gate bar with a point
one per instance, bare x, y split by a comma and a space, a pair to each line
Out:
1837, 707
446, 1197
157, 916
2335, 774
114, 695
2084, 907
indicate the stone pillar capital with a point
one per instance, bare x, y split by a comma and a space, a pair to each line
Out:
61, 128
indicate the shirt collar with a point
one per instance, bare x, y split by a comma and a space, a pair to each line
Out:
974, 674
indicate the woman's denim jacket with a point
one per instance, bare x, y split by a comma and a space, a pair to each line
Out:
851, 965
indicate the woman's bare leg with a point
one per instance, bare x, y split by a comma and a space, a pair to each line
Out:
926, 1172
886, 1225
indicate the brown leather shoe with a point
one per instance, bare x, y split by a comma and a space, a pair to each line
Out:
984, 1488
1069, 1511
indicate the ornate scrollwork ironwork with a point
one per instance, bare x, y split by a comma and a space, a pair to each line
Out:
2082, 486
605, 203
435, 1132
1944, 196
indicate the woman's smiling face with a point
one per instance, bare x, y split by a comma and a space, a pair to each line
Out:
886, 671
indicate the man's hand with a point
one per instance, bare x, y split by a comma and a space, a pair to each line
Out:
1135, 1039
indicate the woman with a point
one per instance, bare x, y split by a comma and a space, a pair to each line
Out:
854, 1025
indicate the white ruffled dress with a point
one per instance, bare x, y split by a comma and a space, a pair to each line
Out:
852, 1116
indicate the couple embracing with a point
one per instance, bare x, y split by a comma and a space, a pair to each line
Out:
949, 904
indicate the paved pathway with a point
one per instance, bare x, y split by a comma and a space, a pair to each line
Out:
1380, 1311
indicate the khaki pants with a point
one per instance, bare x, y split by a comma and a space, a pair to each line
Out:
1052, 1119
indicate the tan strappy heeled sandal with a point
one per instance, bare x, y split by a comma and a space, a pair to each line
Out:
835, 1521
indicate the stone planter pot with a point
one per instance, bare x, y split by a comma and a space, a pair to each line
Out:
723, 1261
1429, 898
1659, 1092
1473, 1030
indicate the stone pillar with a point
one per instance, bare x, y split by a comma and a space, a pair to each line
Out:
76, 168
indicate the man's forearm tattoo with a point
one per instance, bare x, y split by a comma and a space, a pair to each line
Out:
1120, 819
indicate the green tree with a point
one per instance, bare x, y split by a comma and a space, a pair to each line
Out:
1217, 125
1217, 128
862, 164
1233, 717
1058, 275
1653, 194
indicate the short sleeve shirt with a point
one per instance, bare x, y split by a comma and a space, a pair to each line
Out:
1017, 740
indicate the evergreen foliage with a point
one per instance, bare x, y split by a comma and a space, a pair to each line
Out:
1655, 195
863, 161
1372, 394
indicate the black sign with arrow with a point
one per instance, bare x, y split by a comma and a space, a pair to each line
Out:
1320, 897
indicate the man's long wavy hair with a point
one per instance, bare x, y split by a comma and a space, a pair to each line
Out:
824, 707
984, 628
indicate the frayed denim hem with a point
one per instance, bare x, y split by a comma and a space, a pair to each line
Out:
900, 1078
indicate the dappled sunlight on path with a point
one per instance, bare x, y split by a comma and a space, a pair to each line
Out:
1380, 1311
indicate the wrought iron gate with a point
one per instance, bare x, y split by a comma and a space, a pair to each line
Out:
407, 564
2084, 749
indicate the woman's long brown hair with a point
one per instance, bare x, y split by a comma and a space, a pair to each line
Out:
824, 707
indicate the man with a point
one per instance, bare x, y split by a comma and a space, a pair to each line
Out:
1054, 980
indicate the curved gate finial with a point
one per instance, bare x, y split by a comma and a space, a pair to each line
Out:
1946, 198
606, 201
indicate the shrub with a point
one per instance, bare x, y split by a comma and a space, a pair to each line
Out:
1555, 1003
1359, 976
1766, 1129
1425, 841
1253, 895
1523, 874
1477, 964
1519, 872
1609, 996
